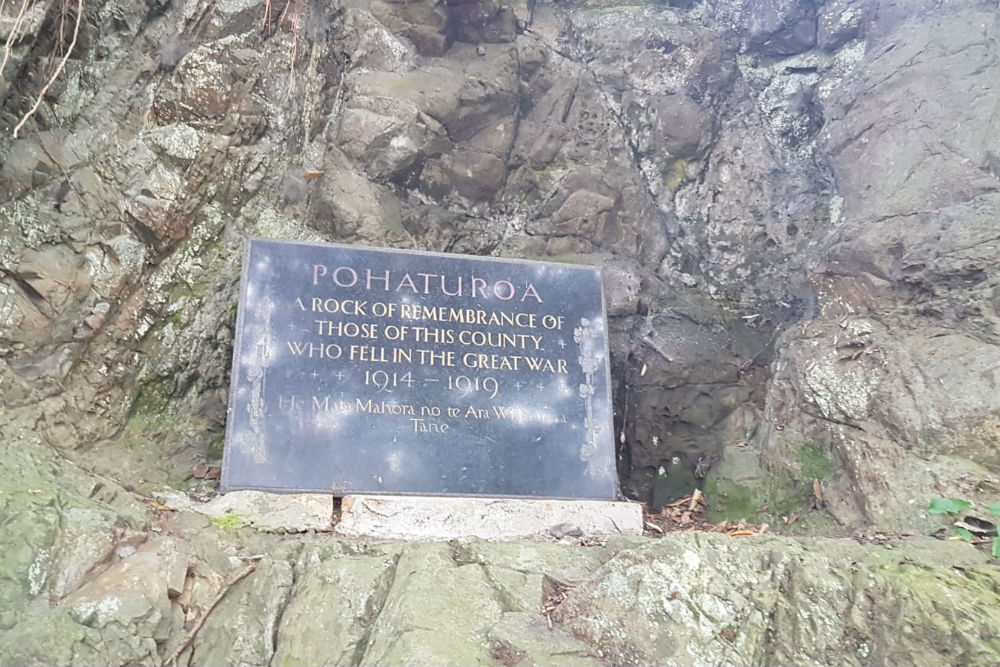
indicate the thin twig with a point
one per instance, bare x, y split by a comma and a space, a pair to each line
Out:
296, 27
55, 74
12, 37
242, 574
63, 8
650, 340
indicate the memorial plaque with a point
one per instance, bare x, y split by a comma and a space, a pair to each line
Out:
359, 370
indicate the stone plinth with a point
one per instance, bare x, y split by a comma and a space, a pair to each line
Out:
445, 518
268, 512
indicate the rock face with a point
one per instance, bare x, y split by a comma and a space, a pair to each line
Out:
795, 204
91, 576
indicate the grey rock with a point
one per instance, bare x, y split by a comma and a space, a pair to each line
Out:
777, 28
623, 288
838, 22
695, 599
293, 186
562, 530
171, 53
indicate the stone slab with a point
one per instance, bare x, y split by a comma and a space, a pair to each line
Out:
374, 371
444, 518
268, 512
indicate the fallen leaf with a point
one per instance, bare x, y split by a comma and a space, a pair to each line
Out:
312, 173
695, 499
818, 490
742, 533
161, 507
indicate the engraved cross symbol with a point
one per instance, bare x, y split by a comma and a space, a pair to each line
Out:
562, 343
540, 385
339, 375
314, 375
518, 385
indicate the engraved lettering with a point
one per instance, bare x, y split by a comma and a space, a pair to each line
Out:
508, 289
350, 274
369, 277
427, 426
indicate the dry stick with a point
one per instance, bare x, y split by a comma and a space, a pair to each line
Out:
695, 497
172, 660
63, 10
55, 75
295, 43
12, 38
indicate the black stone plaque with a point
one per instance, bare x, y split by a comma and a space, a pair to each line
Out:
360, 370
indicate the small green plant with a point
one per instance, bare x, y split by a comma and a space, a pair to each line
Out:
950, 506
229, 521
963, 533
995, 549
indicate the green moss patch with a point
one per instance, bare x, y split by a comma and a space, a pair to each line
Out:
676, 174
230, 521
814, 461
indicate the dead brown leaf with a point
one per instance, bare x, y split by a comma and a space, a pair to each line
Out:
742, 533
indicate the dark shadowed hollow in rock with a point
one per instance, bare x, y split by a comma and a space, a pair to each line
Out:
796, 208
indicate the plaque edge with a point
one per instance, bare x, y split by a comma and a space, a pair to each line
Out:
435, 253
607, 379
227, 447
422, 494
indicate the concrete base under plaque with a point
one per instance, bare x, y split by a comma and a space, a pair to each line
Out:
267, 512
445, 518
